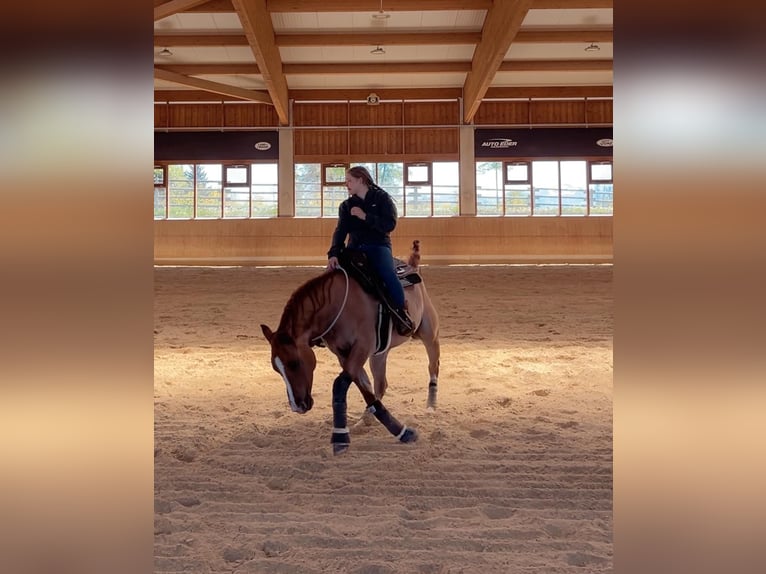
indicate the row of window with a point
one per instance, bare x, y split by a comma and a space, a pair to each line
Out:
512, 188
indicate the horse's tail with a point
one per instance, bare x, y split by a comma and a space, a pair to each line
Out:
414, 259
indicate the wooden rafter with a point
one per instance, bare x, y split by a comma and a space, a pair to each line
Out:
214, 87
501, 25
391, 68
174, 7
387, 39
259, 30
396, 5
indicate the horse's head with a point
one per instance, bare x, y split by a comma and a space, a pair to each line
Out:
295, 363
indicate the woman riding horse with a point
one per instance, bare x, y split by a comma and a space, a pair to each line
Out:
368, 217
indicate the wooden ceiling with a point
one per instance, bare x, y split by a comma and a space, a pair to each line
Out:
272, 51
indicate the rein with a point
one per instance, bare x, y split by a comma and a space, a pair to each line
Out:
342, 306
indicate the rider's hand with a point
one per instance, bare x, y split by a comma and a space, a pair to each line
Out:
332, 263
358, 212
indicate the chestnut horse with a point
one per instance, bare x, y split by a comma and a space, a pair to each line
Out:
335, 311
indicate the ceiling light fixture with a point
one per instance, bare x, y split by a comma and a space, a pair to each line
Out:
592, 48
381, 15
378, 51
166, 52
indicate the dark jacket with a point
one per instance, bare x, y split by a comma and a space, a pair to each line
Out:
375, 230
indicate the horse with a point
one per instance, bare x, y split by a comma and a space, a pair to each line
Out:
334, 310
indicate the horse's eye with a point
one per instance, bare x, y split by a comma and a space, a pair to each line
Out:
293, 365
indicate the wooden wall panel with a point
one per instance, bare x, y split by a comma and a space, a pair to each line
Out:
287, 241
385, 141
431, 113
321, 114
562, 112
249, 115
321, 142
195, 115
503, 112
385, 114
160, 115
599, 111
432, 141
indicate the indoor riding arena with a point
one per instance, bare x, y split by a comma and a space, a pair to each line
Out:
490, 125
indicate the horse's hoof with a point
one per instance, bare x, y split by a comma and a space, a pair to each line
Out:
409, 435
339, 448
430, 409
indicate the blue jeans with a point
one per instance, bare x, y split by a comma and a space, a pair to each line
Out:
382, 260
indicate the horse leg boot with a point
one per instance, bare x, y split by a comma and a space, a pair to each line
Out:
341, 439
401, 432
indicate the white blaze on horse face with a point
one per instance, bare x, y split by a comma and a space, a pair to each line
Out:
281, 367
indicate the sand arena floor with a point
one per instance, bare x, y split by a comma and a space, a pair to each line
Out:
512, 473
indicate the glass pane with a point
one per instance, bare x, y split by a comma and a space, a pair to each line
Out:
236, 174
180, 191
308, 189
209, 192
371, 168
159, 176
601, 172
446, 185
417, 173
236, 202
391, 178
159, 203
265, 189
517, 172
545, 179
489, 188
335, 174
601, 199
417, 201
574, 185
518, 199
333, 196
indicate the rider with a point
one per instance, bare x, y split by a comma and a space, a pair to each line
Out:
368, 217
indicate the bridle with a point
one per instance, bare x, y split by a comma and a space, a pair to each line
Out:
342, 306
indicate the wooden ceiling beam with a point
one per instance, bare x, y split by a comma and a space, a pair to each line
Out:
217, 6
367, 68
507, 93
174, 7
391, 68
256, 21
214, 87
375, 38
501, 25
338, 94
387, 39
200, 40
212, 69
555, 65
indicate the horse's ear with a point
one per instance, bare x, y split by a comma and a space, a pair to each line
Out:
267, 332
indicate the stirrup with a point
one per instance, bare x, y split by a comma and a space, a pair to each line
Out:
403, 324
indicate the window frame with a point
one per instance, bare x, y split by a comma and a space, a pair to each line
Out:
406, 175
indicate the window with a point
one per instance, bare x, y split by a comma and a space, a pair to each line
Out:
446, 188
264, 189
181, 191
213, 191
600, 188
209, 194
544, 188
308, 190
334, 190
160, 192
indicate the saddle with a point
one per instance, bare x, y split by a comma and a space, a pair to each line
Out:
355, 263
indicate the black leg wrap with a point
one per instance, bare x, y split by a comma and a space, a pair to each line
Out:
340, 439
339, 392
396, 428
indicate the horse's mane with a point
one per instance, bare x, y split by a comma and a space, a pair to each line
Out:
316, 291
